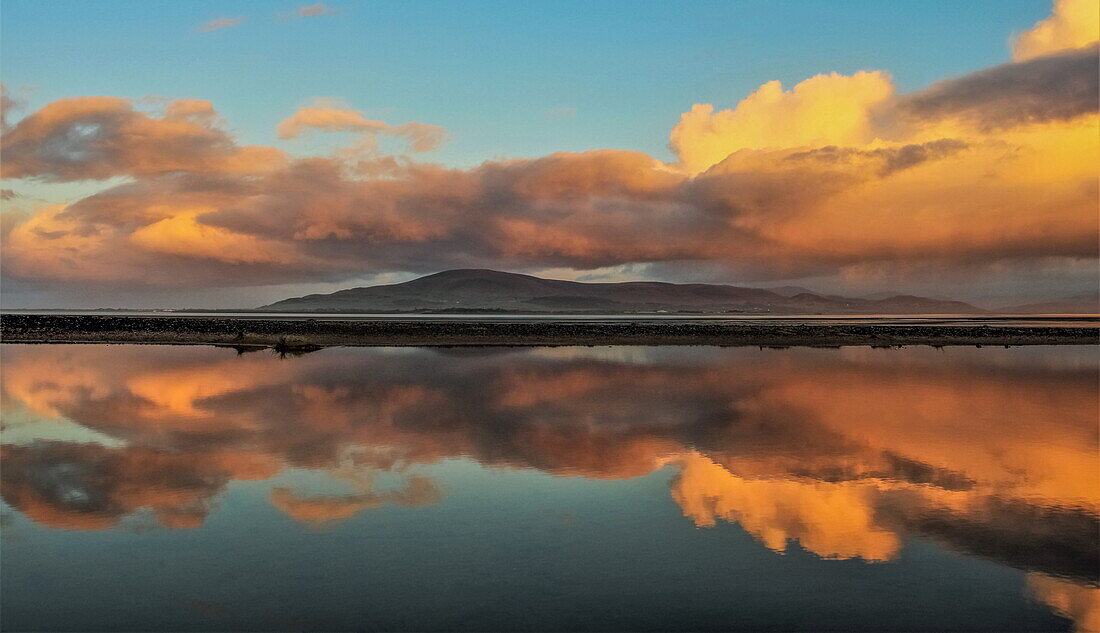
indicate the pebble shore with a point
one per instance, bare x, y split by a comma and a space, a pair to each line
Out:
314, 333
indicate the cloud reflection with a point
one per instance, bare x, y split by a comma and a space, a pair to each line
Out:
846, 453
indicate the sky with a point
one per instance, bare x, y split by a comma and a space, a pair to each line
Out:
228, 154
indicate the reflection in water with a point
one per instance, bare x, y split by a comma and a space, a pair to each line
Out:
1076, 602
848, 453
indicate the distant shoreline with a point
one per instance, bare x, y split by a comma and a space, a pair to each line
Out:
299, 334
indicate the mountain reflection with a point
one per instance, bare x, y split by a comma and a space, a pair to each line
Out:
846, 452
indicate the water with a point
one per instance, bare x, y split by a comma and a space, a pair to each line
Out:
606, 488
993, 320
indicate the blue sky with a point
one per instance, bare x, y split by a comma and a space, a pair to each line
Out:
507, 79
523, 80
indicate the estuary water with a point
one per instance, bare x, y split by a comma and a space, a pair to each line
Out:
158, 488
759, 319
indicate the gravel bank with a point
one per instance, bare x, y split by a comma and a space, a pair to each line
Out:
307, 333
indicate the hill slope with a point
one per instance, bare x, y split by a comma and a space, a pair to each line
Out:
473, 290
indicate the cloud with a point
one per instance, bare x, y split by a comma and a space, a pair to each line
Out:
7, 105
422, 137
832, 520
103, 137
1079, 603
318, 510
1072, 24
756, 209
309, 11
840, 175
561, 112
327, 119
885, 161
314, 10
95, 487
1061, 86
219, 23
182, 234
328, 116
828, 109
848, 455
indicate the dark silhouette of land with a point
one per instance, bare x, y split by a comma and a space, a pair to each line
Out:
656, 314
478, 290
288, 335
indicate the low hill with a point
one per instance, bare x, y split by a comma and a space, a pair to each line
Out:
476, 290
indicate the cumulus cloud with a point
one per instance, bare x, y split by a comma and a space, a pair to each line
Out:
840, 175
183, 234
765, 210
103, 137
103, 485
219, 23
1079, 603
1072, 24
828, 109
832, 520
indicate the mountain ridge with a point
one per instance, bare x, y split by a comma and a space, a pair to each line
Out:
478, 289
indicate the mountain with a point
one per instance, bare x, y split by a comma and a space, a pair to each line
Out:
790, 291
475, 290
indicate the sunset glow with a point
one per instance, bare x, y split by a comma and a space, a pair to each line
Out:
845, 178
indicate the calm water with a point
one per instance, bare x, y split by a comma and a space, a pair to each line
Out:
992, 320
616, 488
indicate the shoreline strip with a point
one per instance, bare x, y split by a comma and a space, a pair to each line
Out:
311, 334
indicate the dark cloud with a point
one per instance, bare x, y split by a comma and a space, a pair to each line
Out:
87, 486
1051, 88
888, 160
103, 137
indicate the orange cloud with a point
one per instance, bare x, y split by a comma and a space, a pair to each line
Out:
104, 137
181, 234
310, 11
1072, 24
830, 520
846, 453
328, 119
1078, 603
840, 176
329, 116
739, 419
317, 510
219, 23
824, 110
98, 486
